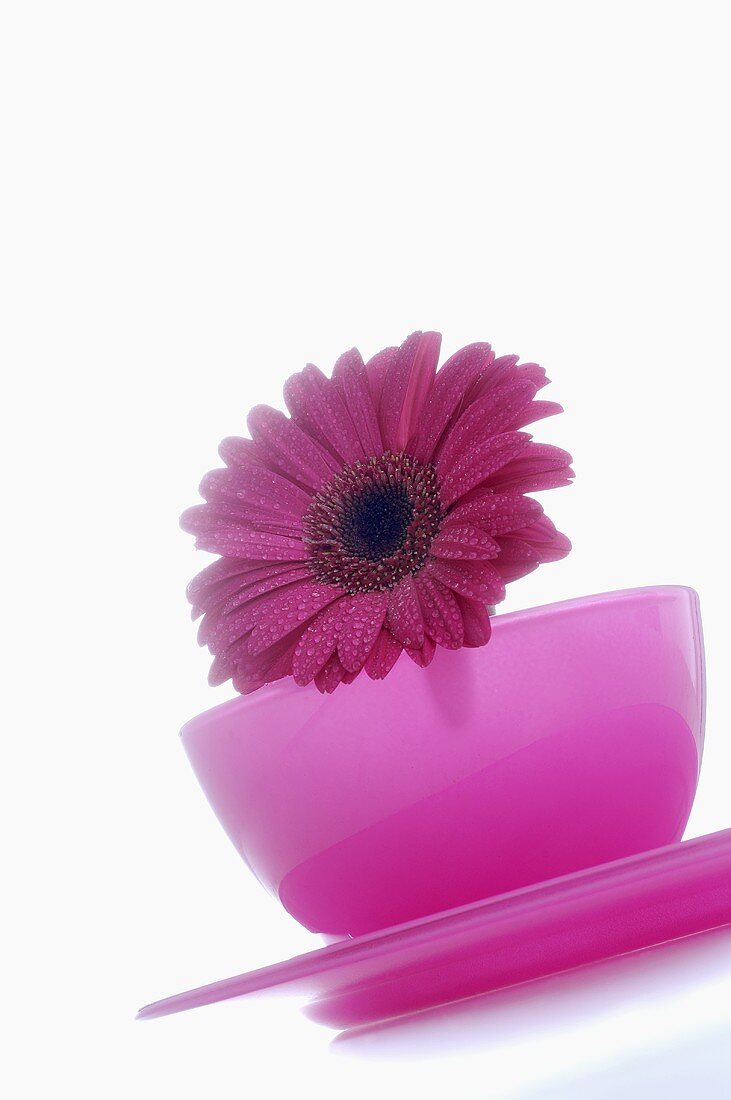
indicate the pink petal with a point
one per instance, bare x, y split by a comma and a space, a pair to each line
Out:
272, 604
405, 620
350, 626
225, 662
464, 542
250, 606
258, 488
317, 644
547, 542
205, 582
442, 617
266, 579
520, 556
349, 375
219, 631
499, 370
266, 668
513, 567
479, 581
290, 450
290, 609
496, 513
217, 513
537, 410
481, 463
492, 414
551, 479
539, 466
238, 609
234, 540
360, 627
316, 405
447, 396
536, 374
383, 656
238, 451
476, 621
215, 595
330, 675
406, 386
376, 370
514, 549
422, 655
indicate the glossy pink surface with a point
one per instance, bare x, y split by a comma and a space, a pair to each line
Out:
573, 738
623, 906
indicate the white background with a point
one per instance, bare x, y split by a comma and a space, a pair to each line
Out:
197, 198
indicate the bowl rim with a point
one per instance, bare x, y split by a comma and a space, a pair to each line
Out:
522, 617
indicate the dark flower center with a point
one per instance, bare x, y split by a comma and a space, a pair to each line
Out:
376, 521
373, 523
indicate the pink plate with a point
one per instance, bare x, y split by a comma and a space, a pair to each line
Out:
621, 906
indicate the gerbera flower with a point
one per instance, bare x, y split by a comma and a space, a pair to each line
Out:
386, 513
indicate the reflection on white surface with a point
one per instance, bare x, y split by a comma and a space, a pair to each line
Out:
657, 1022
697, 1066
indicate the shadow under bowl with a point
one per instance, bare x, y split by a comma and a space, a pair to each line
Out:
573, 738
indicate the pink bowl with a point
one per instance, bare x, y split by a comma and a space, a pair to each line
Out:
572, 739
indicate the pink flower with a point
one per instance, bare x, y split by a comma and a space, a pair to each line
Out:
387, 512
